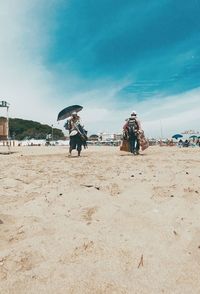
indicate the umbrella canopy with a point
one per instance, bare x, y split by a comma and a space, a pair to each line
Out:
67, 112
193, 137
177, 136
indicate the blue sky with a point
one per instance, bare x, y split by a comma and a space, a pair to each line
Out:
111, 56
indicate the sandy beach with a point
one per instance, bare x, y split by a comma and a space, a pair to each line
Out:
107, 222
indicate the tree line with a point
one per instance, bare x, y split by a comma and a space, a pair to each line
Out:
27, 129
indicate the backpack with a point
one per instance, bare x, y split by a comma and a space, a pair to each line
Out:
132, 126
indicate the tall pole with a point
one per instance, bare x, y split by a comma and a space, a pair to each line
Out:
52, 133
161, 129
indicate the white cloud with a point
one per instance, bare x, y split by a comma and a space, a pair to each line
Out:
164, 116
172, 114
25, 82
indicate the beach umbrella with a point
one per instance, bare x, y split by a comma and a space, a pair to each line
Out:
193, 137
177, 136
67, 112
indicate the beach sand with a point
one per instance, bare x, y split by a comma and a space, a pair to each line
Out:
106, 222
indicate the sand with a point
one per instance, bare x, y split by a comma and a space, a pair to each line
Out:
107, 222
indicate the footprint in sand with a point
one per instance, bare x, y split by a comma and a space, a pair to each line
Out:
3, 271
163, 193
14, 230
191, 193
113, 189
7, 219
22, 262
88, 213
27, 261
93, 285
126, 260
31, 196
10, 231
17, 235
79, 252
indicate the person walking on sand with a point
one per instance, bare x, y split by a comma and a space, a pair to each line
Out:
132, 129
77, 134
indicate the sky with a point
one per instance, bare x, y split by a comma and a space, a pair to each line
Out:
110, 56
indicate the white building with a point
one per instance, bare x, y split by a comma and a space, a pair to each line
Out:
106, 137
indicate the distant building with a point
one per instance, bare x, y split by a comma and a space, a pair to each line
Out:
94, 138
190, 132
106, 137
109, 137
117, 137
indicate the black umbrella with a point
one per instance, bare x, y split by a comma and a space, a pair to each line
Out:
67, 112
177, 136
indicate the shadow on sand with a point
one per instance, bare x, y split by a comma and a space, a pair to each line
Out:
76, 156
7, 153
130, 154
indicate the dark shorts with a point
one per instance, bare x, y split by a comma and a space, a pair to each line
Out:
75, 142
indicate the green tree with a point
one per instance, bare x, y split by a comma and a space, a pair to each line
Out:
21, 129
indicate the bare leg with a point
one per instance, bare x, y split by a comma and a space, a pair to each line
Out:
79, 148
138, 146
70, 151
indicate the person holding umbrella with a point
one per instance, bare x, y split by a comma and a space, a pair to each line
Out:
77, 134
73, 133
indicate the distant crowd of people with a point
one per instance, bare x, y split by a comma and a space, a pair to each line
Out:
188, 143
181, 143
